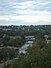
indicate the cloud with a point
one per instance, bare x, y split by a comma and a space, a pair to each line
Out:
10, 7
32, 5
7, 7
32, 12
29, 11
28, 19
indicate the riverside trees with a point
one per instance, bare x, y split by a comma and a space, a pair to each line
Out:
37, 57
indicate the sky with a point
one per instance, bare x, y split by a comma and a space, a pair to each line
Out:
25, 12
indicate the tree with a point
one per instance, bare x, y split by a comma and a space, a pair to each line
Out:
36, 58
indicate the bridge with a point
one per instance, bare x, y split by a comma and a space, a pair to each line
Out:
29, 38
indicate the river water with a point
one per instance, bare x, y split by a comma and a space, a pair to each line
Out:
24, 47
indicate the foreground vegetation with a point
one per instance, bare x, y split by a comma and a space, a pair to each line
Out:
39, 56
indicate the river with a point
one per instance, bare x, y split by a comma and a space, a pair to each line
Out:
24, 47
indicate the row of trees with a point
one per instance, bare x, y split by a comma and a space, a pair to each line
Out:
24, 30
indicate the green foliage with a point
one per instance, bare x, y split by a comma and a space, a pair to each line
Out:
6, 53
15, 41
37, 57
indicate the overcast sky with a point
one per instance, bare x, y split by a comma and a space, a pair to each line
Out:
25, 12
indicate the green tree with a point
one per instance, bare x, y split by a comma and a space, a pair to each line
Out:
36, 58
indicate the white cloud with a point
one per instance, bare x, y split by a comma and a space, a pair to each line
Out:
32, 12
29, 4
29, 7
10, 7
28, 11
23, 5
28, 19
